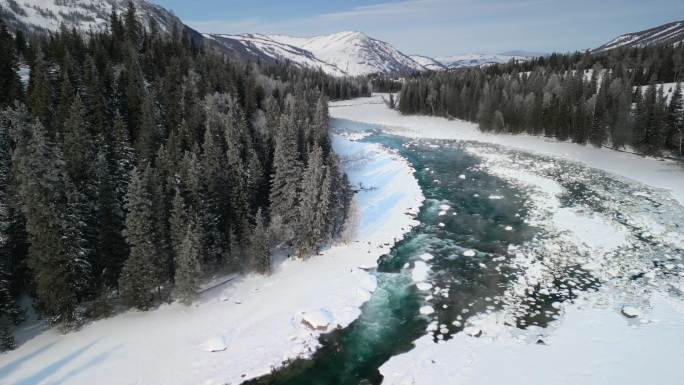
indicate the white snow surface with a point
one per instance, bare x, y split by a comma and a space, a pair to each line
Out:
667, 175
245, 328
588, 347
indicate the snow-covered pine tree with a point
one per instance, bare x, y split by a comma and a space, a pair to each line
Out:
9, 310
138, 278
39, 96
10, 84
309, 226
178, 221
57, 267
188, 268
259, 245
235, 130
286, 178
320, 124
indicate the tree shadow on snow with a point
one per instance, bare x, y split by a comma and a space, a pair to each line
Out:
51, 369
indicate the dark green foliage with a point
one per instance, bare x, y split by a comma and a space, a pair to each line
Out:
188, 268
556, 97
259, 245
10, 84
139, 276
140, 160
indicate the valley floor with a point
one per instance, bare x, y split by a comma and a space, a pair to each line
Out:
247, 327
624, 227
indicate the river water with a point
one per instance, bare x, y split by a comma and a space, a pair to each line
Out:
466, 210
488, 245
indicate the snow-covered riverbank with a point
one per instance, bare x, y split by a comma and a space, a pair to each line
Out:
618, 232
253, 324
662, 174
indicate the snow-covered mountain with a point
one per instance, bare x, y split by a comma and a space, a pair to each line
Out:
344, 53
428, 63
84, 15
477, 60
670, 33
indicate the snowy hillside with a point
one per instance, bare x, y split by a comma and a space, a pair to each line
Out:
429, 63
671, 33
257, 46
477, 60
84, 15
347, 53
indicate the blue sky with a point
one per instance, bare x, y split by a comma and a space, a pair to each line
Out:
438, 27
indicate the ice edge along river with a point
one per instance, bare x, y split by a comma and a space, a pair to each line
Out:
592, 343
252, 325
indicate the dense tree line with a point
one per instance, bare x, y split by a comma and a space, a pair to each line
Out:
134, 162
608, 99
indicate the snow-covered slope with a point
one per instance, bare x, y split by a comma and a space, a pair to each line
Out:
348, 53
477, 60
429, 63
671, 33
258, 46
84, 15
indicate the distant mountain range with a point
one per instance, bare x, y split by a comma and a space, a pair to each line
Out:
344, 53
339, 54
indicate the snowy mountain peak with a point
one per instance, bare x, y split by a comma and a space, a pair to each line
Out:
349, 53
670, 33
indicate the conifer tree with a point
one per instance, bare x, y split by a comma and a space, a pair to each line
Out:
39, 98
309, 226
285, 181
138, 277
675, 120
188, 269
58, 267
10, 84
259, 247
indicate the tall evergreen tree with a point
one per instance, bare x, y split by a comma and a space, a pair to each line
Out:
138, 277
310, 227
188, 269
285, 181
10, 84
259, 247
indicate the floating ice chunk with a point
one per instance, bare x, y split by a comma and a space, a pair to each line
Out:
496, 197
462, 176
424, 286
556, 305
469, 253
426, 310
509, 228
420, 271
444, 207
457, 324
427, 257
214, 345
442, 213
631, 312
320, 319
441, 224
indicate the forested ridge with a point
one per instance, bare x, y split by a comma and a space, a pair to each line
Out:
133, 164
608, 99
